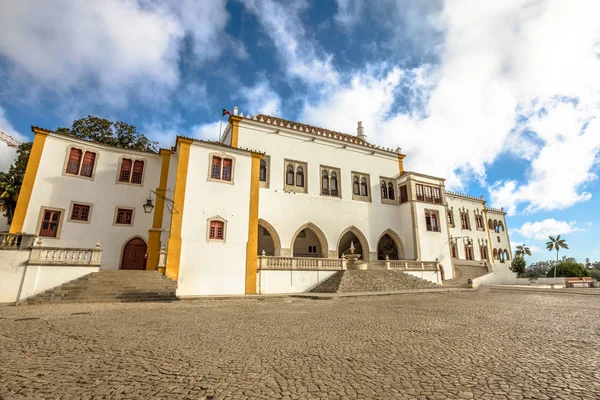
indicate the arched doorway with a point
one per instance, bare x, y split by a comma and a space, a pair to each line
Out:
309, 241
387, 248
134, 255
268, 239
353, 235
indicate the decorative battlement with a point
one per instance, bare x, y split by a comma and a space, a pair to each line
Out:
466, 196
501, 210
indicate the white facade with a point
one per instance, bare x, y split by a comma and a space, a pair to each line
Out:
54, 189
210, 234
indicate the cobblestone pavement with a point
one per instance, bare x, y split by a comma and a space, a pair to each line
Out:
484, 345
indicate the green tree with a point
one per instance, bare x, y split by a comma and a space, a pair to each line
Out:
518, 265
556, 243
539, 269
568, 269
10, 182
595, 274
101, 130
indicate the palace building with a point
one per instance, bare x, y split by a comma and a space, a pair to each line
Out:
274, 206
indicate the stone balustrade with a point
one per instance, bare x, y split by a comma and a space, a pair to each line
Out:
300, 263
66, 256
412, 265
16, 241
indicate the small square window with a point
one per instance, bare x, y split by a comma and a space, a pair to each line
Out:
124, 216
80, 212
216, 230
50, 223
221, 169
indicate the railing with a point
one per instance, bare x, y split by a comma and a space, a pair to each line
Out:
300, 263
412, 265
64, 256
16, 241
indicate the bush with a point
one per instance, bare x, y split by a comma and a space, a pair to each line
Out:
568, 269
518, 265
595, 274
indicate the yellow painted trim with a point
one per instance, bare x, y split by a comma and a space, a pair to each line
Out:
252, 246
174, 248
401, 162
154, 233
235, 129
33, 165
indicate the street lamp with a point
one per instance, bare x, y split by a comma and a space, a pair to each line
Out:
149, 205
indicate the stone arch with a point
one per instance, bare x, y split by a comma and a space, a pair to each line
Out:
506, 255
318, 233
396, 238
124, 245
274, 237
364, 244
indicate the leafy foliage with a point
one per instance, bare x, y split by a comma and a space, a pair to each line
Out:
10, 182
595, 274
518, 265
568, 269
101, 130
556, 243
522, 251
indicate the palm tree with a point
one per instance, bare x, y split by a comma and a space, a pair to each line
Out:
556, 243
522, 251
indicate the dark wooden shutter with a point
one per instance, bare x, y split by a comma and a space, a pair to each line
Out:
138, 170
88, 164
74, 161
125, 173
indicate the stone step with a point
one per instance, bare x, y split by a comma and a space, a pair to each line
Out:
110, 286
371, 281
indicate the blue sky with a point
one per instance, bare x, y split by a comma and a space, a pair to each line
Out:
501, 98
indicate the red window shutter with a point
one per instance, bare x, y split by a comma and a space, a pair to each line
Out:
50, 223
216, 168
88, 164
138, 170
227, 169
74, 161
125, 173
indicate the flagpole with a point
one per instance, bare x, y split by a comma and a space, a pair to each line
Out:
220, 125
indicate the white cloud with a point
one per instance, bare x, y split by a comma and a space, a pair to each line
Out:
540, 230
8, 154
260, 98
208, 131
301, 56
106, 51
515, 79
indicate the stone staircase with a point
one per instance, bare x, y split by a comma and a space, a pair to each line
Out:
464, 272
110, 286
352, 281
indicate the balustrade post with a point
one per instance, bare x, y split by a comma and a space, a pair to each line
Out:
422, 266
387, 263
96, 255
405, 264
162, 260
36, 250
344, 263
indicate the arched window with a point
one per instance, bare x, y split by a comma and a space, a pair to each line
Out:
87, 168
500, 227
138, 171
363, 187
324, 182
289, 176
384, 194
391, 191
506, 254
300, 177
355, 186
333, 184
263, 171
227, 163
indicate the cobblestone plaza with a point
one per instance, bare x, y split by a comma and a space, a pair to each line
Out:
482, 344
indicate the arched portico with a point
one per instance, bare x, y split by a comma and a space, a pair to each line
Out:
389, 244
309, 239
268, 239
361, 244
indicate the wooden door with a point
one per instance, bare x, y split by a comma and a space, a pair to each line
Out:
134, 255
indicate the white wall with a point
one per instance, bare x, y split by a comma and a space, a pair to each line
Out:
287, 212
19, 281
431, 276
434, 244
272, 282
211, 267
500, 275
504, 242
52, 188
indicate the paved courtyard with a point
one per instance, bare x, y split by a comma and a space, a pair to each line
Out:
483, 344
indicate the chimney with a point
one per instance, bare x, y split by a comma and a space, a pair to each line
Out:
235, 110
360, 131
